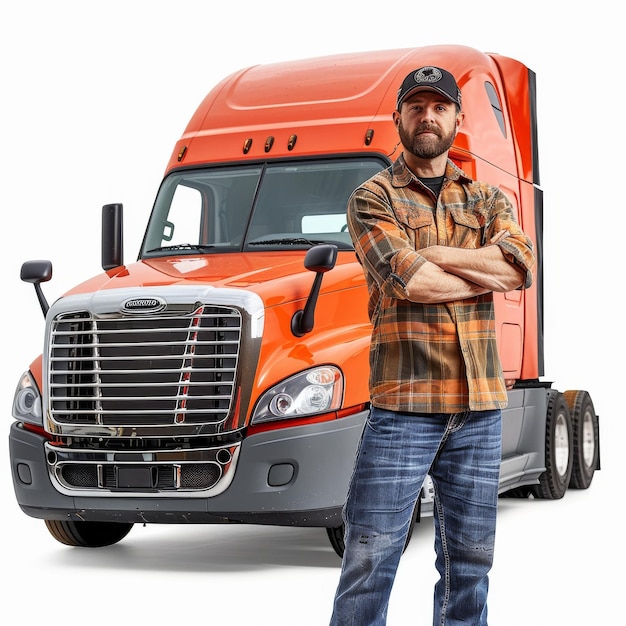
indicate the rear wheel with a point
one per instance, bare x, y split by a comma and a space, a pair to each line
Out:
554, 481
586, 437
87, 534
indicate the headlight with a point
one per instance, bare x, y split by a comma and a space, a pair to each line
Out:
315, 391
27, 401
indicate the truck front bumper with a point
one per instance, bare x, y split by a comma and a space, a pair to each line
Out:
292, 476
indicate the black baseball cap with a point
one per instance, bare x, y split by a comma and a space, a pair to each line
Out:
429, 78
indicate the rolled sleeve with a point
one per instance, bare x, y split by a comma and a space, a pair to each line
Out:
381, 245
520, 254
517, 247
403, 265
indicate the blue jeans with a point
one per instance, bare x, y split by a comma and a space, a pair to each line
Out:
462, 454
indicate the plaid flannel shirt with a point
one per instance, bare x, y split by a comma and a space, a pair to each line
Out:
431, 358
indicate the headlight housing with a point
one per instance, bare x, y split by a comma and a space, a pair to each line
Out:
27, 406
312, 392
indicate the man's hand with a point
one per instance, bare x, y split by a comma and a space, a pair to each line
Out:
499, 236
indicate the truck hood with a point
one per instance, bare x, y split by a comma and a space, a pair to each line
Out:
277, 277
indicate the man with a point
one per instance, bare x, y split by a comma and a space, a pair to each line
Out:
434, 246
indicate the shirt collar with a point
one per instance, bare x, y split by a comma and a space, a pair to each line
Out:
401, 175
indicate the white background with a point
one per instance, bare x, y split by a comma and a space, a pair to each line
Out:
94, 96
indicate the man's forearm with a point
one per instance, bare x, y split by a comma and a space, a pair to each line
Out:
485, 267
430, 285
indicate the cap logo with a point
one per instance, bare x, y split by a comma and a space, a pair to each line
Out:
427, 75
431, 78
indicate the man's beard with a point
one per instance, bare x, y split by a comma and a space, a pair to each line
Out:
426, 146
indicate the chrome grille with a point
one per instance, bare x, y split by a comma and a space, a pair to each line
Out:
144, 370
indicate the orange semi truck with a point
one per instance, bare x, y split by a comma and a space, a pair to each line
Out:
223, 376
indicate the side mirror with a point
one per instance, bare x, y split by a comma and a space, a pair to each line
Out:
318, 259
112, 236
37, 272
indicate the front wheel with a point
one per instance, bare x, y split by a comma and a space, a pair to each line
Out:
87, 534
555, 479
586, 436
335, 534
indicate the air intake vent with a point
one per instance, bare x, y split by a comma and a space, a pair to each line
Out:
140, 478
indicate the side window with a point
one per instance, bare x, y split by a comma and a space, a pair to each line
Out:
496, 106
183, 220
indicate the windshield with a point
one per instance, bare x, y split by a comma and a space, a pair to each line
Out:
255, 207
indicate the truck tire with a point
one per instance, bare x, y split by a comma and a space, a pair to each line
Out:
586, 437
518, 492
554, 481
335, 534
87, 534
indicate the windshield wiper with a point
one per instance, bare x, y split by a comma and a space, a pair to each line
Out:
287, 241
181, 246
301, 241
